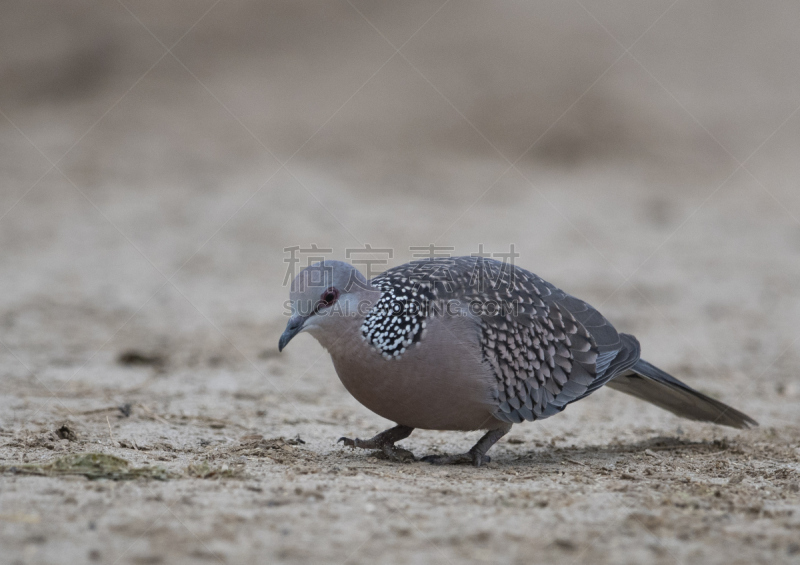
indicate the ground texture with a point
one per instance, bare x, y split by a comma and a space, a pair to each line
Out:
146, 203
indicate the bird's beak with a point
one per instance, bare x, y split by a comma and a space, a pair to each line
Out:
293, 327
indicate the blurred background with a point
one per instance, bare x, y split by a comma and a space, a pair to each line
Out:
158, 156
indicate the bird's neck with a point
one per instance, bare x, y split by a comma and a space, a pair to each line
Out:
348, 329
343, 337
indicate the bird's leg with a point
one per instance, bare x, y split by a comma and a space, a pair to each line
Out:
384, 442
477, 455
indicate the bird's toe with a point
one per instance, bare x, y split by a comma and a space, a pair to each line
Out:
398, 454
348, 442
448, 459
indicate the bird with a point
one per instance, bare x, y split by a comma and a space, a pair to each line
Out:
472, 343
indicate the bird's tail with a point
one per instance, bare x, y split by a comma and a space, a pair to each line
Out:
647, 382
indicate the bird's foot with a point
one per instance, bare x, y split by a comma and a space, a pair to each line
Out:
360, 443
385, 449
472, 458
384, 443
394, 453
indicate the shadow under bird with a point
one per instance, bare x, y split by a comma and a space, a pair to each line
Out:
470, 343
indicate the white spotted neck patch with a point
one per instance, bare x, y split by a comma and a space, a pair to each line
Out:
397, 320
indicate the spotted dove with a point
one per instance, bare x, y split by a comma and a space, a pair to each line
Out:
470, 343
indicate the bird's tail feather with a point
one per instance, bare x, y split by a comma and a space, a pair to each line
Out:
647, 382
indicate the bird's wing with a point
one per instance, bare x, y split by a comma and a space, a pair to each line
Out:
552, 350
545, 347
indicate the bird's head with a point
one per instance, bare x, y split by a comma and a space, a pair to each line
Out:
327, 298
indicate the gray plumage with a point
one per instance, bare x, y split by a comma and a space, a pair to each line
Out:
471, 343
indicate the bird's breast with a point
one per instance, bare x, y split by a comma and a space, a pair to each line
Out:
440, 382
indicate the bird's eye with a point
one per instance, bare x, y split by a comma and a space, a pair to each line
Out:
329, 296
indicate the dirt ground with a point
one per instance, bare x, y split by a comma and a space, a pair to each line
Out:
148, 195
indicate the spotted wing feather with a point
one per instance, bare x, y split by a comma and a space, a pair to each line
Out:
555, 349
545, 347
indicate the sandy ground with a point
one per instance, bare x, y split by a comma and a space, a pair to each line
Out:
141, 297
